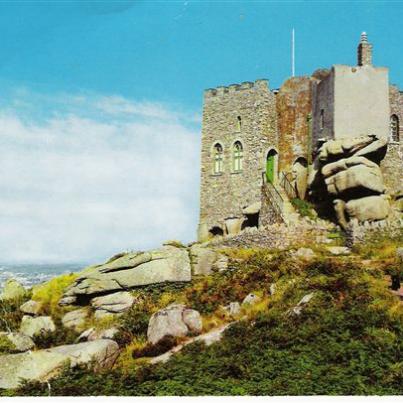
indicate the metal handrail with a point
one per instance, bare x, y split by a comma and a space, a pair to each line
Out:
273, 196
287, 185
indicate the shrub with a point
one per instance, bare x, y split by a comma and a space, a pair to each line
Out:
6, 346
50, 292
10, 314
153, 350
304, 208
346, 341
134, 322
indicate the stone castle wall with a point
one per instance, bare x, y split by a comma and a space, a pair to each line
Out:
323, 108
361, 101
224, 195
344, 102
294, 105
346, 106
392, 165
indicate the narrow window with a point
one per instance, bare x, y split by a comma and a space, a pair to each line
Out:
218, 157
322, 119
238, 156
239, 123
394, 128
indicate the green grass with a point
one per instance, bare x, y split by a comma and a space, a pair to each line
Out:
304, 208
6, 346
347, 341
10, 314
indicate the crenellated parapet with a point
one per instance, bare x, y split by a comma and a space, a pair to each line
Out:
234, 88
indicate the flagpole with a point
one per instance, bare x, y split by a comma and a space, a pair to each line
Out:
293, 53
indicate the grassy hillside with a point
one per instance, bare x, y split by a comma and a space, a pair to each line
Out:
348, 339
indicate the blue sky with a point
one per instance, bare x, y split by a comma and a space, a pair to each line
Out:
100, 107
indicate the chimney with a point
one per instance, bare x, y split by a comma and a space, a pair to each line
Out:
364, 51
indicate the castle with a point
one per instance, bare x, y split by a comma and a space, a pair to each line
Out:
258, 144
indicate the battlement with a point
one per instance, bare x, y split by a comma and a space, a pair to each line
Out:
233, 88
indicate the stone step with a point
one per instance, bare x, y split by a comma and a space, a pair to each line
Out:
287, 207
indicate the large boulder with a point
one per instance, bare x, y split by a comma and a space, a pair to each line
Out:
233, 225
233, 308
347, 172
167, 264
42, 365
370, 145
36, 326
75, 319
117, 302
12, 290
19, 342
31, 308
205, 260
356, 178
333, 168
174, 320
251, 299
339, 250
371, 208
304, 254
93, 334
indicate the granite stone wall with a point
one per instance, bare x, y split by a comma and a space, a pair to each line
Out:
392, 165
245, 113
323, 108
294, 105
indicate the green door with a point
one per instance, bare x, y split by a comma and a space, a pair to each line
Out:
270, 168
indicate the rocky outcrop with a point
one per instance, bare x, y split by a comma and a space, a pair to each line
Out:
348, 171
233, 309
208, 338
251, 299
75, 319
93, 334
304, 254
31, 308
206, 260
117, 302
174, 320
12, 290
19, 342
297, 309
371, 208
44, 364
167, 264
36, 326
338, 250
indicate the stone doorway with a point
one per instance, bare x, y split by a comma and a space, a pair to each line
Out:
271, 164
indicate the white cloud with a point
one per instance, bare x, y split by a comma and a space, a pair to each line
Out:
93, 176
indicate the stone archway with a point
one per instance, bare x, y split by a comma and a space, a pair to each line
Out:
216, 231
271, 165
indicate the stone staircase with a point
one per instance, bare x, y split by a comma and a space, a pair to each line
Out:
278, 203
288, 211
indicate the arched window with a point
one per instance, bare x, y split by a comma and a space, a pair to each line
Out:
239, 123
218, 157
237, 156
394, 128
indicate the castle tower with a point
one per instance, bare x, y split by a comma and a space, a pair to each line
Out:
352, 101
364, 51
238, 133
